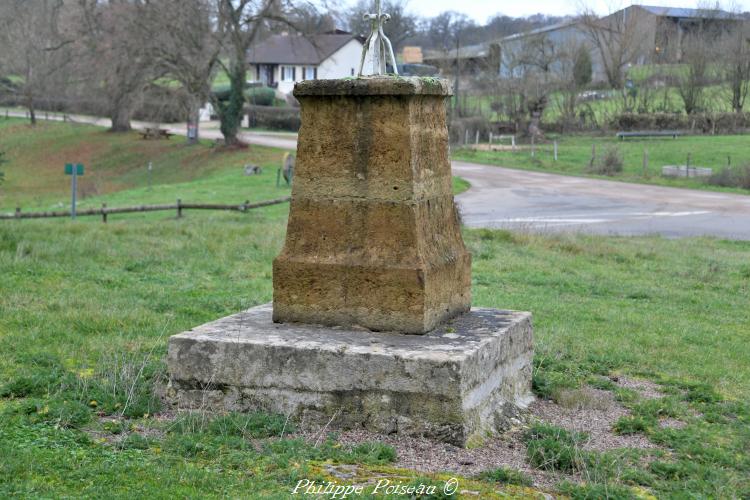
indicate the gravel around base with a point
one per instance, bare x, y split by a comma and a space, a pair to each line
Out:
589, 410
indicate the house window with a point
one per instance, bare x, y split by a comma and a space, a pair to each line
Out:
310, 73
288, 73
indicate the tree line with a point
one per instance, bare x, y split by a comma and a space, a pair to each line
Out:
118, 56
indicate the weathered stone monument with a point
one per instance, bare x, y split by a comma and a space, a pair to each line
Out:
371, 322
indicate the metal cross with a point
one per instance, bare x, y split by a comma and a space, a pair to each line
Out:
378, 43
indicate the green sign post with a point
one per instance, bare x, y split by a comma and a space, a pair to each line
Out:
74, 170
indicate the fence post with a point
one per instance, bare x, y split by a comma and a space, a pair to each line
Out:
104, 213
729, 161
18, 212
645, 162
533, 146
179, 208
687, 167
490, 140
476, 139
593, 155
513, 143
466, 136
244, 205
555, 150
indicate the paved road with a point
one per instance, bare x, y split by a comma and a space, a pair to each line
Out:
517, 199
507, 198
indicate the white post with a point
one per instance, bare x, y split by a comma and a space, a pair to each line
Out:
490, 140
555, 150
513, 142
476, 138
466, 136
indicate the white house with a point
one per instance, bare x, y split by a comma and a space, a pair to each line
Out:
282, 60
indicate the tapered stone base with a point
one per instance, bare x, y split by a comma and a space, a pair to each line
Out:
462, 381
373, 239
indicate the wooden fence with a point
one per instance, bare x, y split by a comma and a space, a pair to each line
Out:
104, 211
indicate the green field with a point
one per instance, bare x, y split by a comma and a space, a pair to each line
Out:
86, 308
574, 157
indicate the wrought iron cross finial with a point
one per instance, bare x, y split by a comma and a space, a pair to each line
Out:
377, 43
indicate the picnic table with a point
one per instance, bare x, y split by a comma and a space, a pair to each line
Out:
155, 133
649, 133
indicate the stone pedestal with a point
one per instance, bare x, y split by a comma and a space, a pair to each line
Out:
373, 252
373, 239
458, 383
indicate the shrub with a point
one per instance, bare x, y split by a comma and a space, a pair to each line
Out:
260, 96
731, 177
273, 118
609, 164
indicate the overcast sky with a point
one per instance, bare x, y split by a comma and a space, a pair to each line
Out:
481, 10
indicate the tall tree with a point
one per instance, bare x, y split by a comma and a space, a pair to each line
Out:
618, 39
117, 55
184, 47
239, 22
34, 49
734, 56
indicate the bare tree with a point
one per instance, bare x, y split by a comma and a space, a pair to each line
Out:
618, 39
184, 47
528, 68
734, 55
116, 55
696, 56
33, 49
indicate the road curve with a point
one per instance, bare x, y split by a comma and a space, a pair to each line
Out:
517, 199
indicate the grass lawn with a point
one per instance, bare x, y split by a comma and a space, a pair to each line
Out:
574, 157
86, 310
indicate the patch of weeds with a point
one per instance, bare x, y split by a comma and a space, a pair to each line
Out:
123, 384
551, 375
374, 453
660, 408
244, 425
611, 163
505, 475
600, 382
43, 376
285, 451
61, 413
596, 491
135, 441
634, 424
625, 395
584, 398
701, 393
114, 427
191, 445
498, 235
553, 448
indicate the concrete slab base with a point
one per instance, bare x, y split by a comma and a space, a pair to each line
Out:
469, 378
